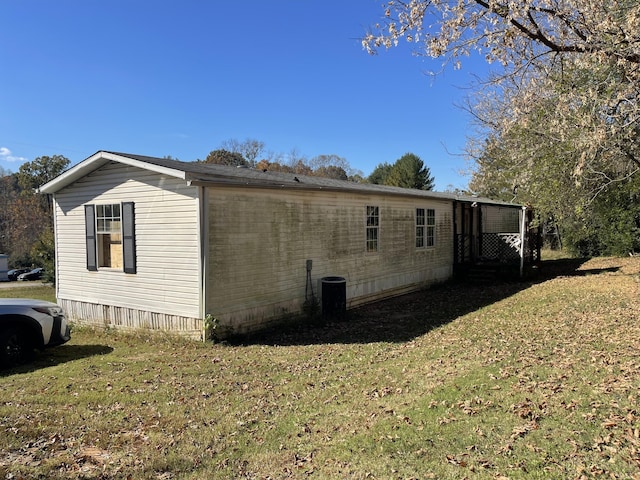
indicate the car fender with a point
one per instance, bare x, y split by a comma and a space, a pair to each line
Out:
36, 330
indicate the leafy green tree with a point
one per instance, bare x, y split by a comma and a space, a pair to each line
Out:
357, 178
560, 118
27, 215
331, 171
410, 172
380, 174
225, 157
493, 175
9, 190
299, 167
611, 226
43, 253
32, 175
334, 166
566, 156
516, 35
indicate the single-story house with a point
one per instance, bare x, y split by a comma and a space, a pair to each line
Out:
155, 243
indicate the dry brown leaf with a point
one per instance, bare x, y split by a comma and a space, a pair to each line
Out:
94, 455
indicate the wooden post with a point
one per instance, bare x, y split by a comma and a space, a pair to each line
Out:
523, 221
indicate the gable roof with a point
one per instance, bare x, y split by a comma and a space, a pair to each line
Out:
198, 173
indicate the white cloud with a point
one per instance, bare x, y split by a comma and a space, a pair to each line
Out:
5, 154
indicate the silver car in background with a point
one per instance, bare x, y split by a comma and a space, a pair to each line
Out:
27, 324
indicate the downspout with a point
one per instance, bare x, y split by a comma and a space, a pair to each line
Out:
523, 217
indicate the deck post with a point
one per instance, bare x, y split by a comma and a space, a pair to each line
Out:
523, 220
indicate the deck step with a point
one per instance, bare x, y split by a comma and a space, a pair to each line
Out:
490, 273
481, 274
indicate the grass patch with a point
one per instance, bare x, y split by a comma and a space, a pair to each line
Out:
33, 290
513, 380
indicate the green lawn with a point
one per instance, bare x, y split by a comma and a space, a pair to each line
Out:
536, 379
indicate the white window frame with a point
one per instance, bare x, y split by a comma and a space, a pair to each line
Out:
109, 235
100, 224
372, 229
420, 227
430, 228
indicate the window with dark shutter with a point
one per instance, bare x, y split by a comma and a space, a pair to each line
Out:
128, 237
90, 235
110, 236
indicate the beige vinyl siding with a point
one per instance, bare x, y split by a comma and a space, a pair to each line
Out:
260, 240
167, 245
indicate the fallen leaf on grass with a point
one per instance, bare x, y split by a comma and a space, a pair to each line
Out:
94, 455
522, 430
486, 464
527, 410
459, 460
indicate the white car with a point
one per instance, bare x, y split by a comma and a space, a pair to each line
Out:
27, 324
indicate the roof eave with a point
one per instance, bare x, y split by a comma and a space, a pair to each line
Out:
96, 161
198, 180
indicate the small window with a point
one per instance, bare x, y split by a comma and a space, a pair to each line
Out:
430, 237
109, 235
373, 226
420, 227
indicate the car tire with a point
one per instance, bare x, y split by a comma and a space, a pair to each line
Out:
15, 347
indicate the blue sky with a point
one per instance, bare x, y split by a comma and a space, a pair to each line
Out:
180, 77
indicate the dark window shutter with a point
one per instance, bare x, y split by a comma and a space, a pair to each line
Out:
128, 237
90, 235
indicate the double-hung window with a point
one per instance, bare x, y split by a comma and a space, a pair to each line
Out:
110, 239
425, 227
109, 235
430, 233
373, 228
420, 227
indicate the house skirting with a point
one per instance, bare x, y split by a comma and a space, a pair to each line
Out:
110, 316
247, 320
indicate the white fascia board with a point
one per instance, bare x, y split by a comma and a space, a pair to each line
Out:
96, 161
